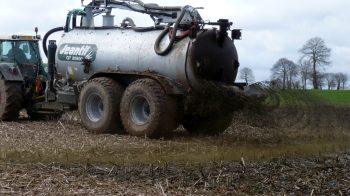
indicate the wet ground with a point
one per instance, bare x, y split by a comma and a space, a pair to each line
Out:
324, 175
293, 152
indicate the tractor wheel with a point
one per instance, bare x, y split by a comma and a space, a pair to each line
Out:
147, 111
213, 125
99, 103
11, 99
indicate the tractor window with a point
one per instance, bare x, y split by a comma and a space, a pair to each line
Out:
21, 52
5, 47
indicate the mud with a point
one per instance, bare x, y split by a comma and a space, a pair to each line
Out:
300, 150
326, 175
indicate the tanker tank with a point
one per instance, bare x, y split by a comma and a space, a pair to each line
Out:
147, 81
125, 49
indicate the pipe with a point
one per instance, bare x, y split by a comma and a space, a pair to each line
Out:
52, 62
173, 37
157, 7
146, 29
47, 35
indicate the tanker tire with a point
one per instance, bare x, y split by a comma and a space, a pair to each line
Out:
147, 111
99, 103
214, 125
11, 99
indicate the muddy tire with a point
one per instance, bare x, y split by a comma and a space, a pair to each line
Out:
147, 111
11, 99
213, 125
99, 103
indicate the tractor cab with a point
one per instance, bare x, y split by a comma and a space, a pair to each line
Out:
22, 75
22, 52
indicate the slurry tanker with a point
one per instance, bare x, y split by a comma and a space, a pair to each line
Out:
122, 78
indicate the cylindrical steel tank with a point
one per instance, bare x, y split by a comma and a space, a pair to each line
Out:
190, 60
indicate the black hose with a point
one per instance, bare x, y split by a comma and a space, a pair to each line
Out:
146, 29
47, 35
173, 37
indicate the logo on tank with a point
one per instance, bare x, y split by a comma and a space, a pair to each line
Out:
77, 52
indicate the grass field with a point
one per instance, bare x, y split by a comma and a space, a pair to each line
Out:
308, 98
339, 98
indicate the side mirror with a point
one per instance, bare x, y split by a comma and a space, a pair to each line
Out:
236, 34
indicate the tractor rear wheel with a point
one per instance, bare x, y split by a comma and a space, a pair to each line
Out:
11, 99
99, 103
147, 111
213, 125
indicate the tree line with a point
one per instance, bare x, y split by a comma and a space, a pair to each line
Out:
314, 58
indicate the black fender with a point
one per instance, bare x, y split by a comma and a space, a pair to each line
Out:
170, 87
11, 73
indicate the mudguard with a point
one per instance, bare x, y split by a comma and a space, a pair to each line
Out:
11, 73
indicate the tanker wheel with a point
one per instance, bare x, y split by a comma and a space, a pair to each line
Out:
99, 104
146, 110
11, 99
213, 125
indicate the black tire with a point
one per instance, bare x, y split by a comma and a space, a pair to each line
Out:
147, 111
99, 103
214, 125
11, 99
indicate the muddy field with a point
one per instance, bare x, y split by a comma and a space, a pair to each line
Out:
293, 152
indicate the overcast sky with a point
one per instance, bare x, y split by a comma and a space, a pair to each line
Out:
272, 29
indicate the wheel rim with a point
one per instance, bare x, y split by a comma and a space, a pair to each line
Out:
140, 110
94, 107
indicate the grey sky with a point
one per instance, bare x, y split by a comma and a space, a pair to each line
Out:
271, 28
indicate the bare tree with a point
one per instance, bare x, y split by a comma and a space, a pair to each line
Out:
317, 53
337, 78
330, 79
343, 79
284, 70
321, 80
247, 75
305, 70
293, 71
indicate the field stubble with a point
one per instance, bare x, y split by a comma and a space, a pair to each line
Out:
299, 150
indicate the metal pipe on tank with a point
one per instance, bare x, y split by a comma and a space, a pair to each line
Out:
88, 19
52, 62
108, 20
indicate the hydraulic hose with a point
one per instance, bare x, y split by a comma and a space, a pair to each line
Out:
173, 37
146, 29
47, 35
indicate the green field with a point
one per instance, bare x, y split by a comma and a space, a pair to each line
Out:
339, 98
309, 98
